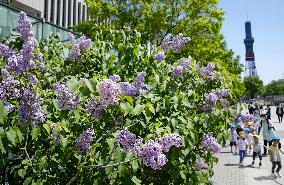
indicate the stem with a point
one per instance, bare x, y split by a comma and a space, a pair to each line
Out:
25, 147
110, 165
73, 179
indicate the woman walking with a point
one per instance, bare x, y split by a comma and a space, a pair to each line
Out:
280, 112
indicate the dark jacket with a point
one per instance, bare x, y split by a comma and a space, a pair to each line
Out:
279, 110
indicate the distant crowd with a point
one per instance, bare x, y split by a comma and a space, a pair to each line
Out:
247, 131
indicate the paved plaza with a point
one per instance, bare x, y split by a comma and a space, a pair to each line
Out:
228, 172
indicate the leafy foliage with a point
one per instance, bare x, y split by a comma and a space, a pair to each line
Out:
275, 88
254, 86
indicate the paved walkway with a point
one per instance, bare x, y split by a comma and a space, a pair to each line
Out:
228, 172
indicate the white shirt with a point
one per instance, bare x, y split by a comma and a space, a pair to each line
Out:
242, 144
256, 147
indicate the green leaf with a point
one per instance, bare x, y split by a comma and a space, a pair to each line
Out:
47, 128
28, 181
11, 135
35, 132
150, 107
136, 180
182, 174
22, 173
19, 134
2, 149
84, 90
64, 142
73, 84
3, 112
89, 85
126, 107
129, 99
137, 110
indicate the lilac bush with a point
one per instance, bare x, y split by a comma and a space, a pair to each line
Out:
84, 141
210, 143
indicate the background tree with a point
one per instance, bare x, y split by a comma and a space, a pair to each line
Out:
275, 88
154, 19
254, 86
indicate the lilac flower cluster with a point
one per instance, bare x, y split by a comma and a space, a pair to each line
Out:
127, 140
84, 141
24, 27
32, 79
78, 46
22, 61
175, 43
211, 98
169, 140
110, 92
136, 87
30, 107
248, 117
180, 69
151, 152
159, 56
209, 73
66, 99
5, 51
200, 164
220, 93
95, 107
210, 143
8, 86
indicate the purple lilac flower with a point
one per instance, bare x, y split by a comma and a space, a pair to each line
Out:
207, 107
136, 87
5, 51
84, 141
56, 137
211, 97
168, 141
222, 92
33, 79
152, 155
126, 139
207, 71
178, 42
165, 43
200, 164
39, 56
24, 27
110, 92
77, 47
95, 108
210, 143
75, 51
84, 42
8, 87
9, 107
66, 99
180, 69
115, 78
159, 56
30, 107
248, 117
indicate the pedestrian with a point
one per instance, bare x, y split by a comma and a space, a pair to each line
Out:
242, 144
274, 152
234, 138
239, 128
280, 112
251, 127
256, 113
251, 109
268, 112
267, 131
248, 137
256, 148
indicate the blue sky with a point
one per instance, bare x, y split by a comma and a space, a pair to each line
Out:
267, 19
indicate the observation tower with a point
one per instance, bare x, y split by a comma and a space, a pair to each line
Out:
250, 68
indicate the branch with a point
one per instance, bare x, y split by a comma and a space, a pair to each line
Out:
110, 165
73, 179
25, 147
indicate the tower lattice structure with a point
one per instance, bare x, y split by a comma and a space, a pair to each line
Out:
250, 68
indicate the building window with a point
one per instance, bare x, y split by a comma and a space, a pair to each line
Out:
84, 13
52, 11
69, 13
64, 13
79, 15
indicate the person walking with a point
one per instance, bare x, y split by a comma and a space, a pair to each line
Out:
268, 112
242, 145
280, 112
274, 152
267, 131
256, 146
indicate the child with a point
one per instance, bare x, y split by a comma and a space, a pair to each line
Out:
275, 158
251, 127
256, 149
242, 144
248, 137
239, 128
234, 137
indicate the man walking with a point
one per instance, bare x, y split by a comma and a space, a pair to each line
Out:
280, 112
